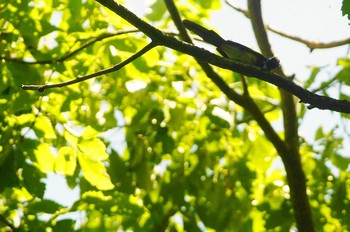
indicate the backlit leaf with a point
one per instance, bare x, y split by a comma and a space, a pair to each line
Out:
66, 161
45, 159
94, 148
95, 172
44, 128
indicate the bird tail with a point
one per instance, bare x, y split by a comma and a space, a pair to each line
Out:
208, 36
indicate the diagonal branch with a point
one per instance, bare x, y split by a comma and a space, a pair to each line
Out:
290, 119
292, 161
41, 88
325, 85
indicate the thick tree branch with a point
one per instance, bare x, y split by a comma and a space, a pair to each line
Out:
291, 160
116, 67
290, 118
177, 20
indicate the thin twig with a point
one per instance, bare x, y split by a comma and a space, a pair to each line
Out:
292, 161
310, 44
325, 85
249, 118
245, 85
116, 67
245, 12
290, 119
70, 54
36, 113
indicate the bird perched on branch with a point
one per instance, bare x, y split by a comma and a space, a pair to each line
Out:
233, 50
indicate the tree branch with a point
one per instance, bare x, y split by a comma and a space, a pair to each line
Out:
72, 53
174, 13
325, 85
311, 44
41, 88
290, 118
249, 118
245, 12
292, 161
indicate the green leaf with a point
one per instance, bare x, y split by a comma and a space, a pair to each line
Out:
177, 116
44, 206
213, 5
94, 148
319, 133
346, 8
143, 175
66, 161
343, 76
344, 62
167, 141
43, 128
8, 171
24, 74
340, 162
120, 175
32, 181
89, 133
95, 172
25, 119
158, 10
45, 159
123, 45
64, 225
312, 77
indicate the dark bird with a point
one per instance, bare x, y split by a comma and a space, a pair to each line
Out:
233, 50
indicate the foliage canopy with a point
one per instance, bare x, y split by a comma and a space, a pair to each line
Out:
155, 145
